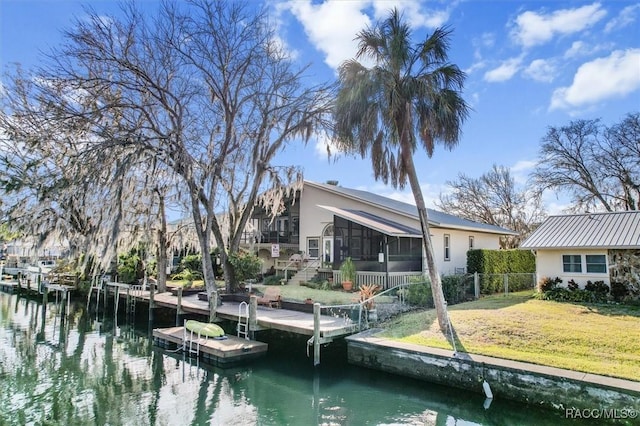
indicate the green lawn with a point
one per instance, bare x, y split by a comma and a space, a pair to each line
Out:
600, 339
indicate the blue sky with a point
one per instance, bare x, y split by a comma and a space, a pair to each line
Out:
529, 65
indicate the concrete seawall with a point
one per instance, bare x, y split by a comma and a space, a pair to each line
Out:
519, 381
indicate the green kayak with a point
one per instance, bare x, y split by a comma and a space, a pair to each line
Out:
204, 328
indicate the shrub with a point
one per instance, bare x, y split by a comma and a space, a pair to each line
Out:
619, 291
547, 284
273, 280
561, 294
419, 294
454, 289
485, 261
572, 285
193, 262
245, 265
187, 275
598, 287
129, 267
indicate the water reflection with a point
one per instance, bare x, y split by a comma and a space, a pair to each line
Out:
83, 367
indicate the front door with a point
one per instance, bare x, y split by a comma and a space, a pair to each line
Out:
327, 250
328, 244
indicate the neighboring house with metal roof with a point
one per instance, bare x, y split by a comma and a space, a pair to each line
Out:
588, 247
383, 235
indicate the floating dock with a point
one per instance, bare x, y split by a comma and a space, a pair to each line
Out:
221, 353
8, 286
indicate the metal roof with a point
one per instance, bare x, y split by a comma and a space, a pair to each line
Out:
619, 230
382, 225
436, 218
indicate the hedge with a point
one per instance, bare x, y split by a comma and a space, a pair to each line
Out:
485, 261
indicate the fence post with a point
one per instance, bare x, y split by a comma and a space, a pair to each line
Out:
476, 285
505, 278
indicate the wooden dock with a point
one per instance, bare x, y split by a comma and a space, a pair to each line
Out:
266, 318
8, 286
321, 328
222, 353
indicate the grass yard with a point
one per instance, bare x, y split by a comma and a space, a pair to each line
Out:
600, 339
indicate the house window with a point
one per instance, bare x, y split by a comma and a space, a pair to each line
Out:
596, 263
572, 263
447, 247
471, 242
313, 247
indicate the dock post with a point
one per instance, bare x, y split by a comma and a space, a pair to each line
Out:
316, 334
253, 315
45, 296
128, 307
152, 296
105, 287
63, 302
212, 297
116, 301
179, 307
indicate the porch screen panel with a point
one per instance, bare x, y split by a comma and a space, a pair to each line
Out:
355, 241
340, 227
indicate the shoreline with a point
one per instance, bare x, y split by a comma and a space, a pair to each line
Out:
536, 384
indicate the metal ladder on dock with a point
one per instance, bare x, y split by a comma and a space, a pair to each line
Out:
188, 341
243, 320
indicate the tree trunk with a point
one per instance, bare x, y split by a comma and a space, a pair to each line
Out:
205, 246
436, 282
162, 247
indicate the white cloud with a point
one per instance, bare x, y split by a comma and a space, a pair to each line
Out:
485, 41
531, 28
626, 17
520, 171
412, 11
581, 49
282, 46
332, 25
504, 71
613, 76
577, 49
541, 70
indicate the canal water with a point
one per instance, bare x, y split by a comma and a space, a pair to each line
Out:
85, 368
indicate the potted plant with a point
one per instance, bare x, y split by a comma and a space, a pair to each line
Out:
367, 291
348, 273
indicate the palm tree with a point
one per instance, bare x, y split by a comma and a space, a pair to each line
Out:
410, 95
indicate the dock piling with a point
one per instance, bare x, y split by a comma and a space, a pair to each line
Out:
213, 305
316, 334
179, 311
253, 316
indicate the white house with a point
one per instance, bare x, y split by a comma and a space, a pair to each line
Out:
328, 223
588, 247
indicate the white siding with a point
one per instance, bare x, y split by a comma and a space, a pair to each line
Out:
313, 220
549, 264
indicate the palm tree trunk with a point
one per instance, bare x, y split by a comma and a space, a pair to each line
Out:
436, 282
